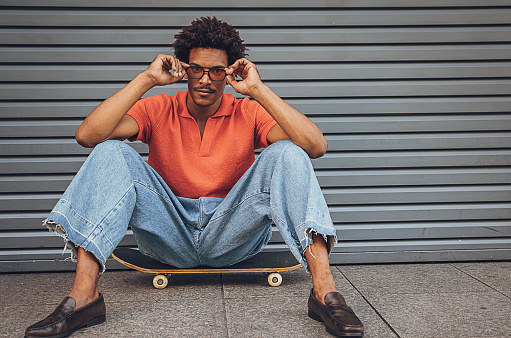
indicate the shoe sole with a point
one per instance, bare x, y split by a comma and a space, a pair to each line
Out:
316, 317
95, 321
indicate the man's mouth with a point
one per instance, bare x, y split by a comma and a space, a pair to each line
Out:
205, 90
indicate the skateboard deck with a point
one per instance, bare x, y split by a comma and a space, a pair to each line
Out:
271, 263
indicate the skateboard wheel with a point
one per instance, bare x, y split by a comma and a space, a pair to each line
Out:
275, 279
160, 281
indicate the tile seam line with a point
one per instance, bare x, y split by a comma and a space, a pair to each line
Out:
480, 281
369, 303
224, 306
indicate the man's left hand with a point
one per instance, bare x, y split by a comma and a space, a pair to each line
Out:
250, 79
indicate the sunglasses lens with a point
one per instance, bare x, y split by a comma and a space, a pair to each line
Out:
194, 72
217, 74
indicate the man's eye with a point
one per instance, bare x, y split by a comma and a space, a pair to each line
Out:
196, 69
217, 71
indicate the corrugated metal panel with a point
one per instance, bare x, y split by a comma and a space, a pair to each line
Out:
297, 54
414, 98
307, 4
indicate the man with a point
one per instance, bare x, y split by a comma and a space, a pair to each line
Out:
202, 198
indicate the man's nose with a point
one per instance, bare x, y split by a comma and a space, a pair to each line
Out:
205, 78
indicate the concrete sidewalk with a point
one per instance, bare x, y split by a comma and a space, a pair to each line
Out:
398, 300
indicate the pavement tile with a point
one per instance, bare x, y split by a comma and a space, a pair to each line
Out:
23, 288
496, 274
138, 286
193, 317
14, 320
343, 285
271, 317
484, 314
409, 278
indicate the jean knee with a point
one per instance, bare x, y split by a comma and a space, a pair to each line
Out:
290, 155
106, 148
286, 149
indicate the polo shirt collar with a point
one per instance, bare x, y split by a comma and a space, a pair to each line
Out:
225, 108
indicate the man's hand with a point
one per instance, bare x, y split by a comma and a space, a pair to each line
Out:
250, 79
166, 69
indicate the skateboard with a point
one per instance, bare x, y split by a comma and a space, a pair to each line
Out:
271, 263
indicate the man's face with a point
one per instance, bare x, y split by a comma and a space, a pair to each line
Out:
204, 92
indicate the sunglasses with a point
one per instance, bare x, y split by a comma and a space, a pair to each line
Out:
197, 72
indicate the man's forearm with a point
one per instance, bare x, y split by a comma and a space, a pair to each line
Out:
298, 127
102, 121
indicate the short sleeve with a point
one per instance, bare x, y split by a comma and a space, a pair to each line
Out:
147, 112
263, 122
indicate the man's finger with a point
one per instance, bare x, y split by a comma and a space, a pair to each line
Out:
231, 80
236, 65
167, 62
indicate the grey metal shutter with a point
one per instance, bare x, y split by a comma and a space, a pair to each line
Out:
413, 96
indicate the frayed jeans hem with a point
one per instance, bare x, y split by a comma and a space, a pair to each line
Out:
59, 230
330, 241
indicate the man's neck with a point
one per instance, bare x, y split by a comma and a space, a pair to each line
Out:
200, 113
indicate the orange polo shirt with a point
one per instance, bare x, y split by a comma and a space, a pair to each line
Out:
193, 167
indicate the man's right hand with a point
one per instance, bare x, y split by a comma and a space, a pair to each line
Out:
166, 69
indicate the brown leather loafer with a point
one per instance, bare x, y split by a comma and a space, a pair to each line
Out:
65, 320
339, 318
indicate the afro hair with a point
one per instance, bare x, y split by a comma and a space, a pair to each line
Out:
209, 32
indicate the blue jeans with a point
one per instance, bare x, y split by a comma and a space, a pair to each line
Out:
115, 188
